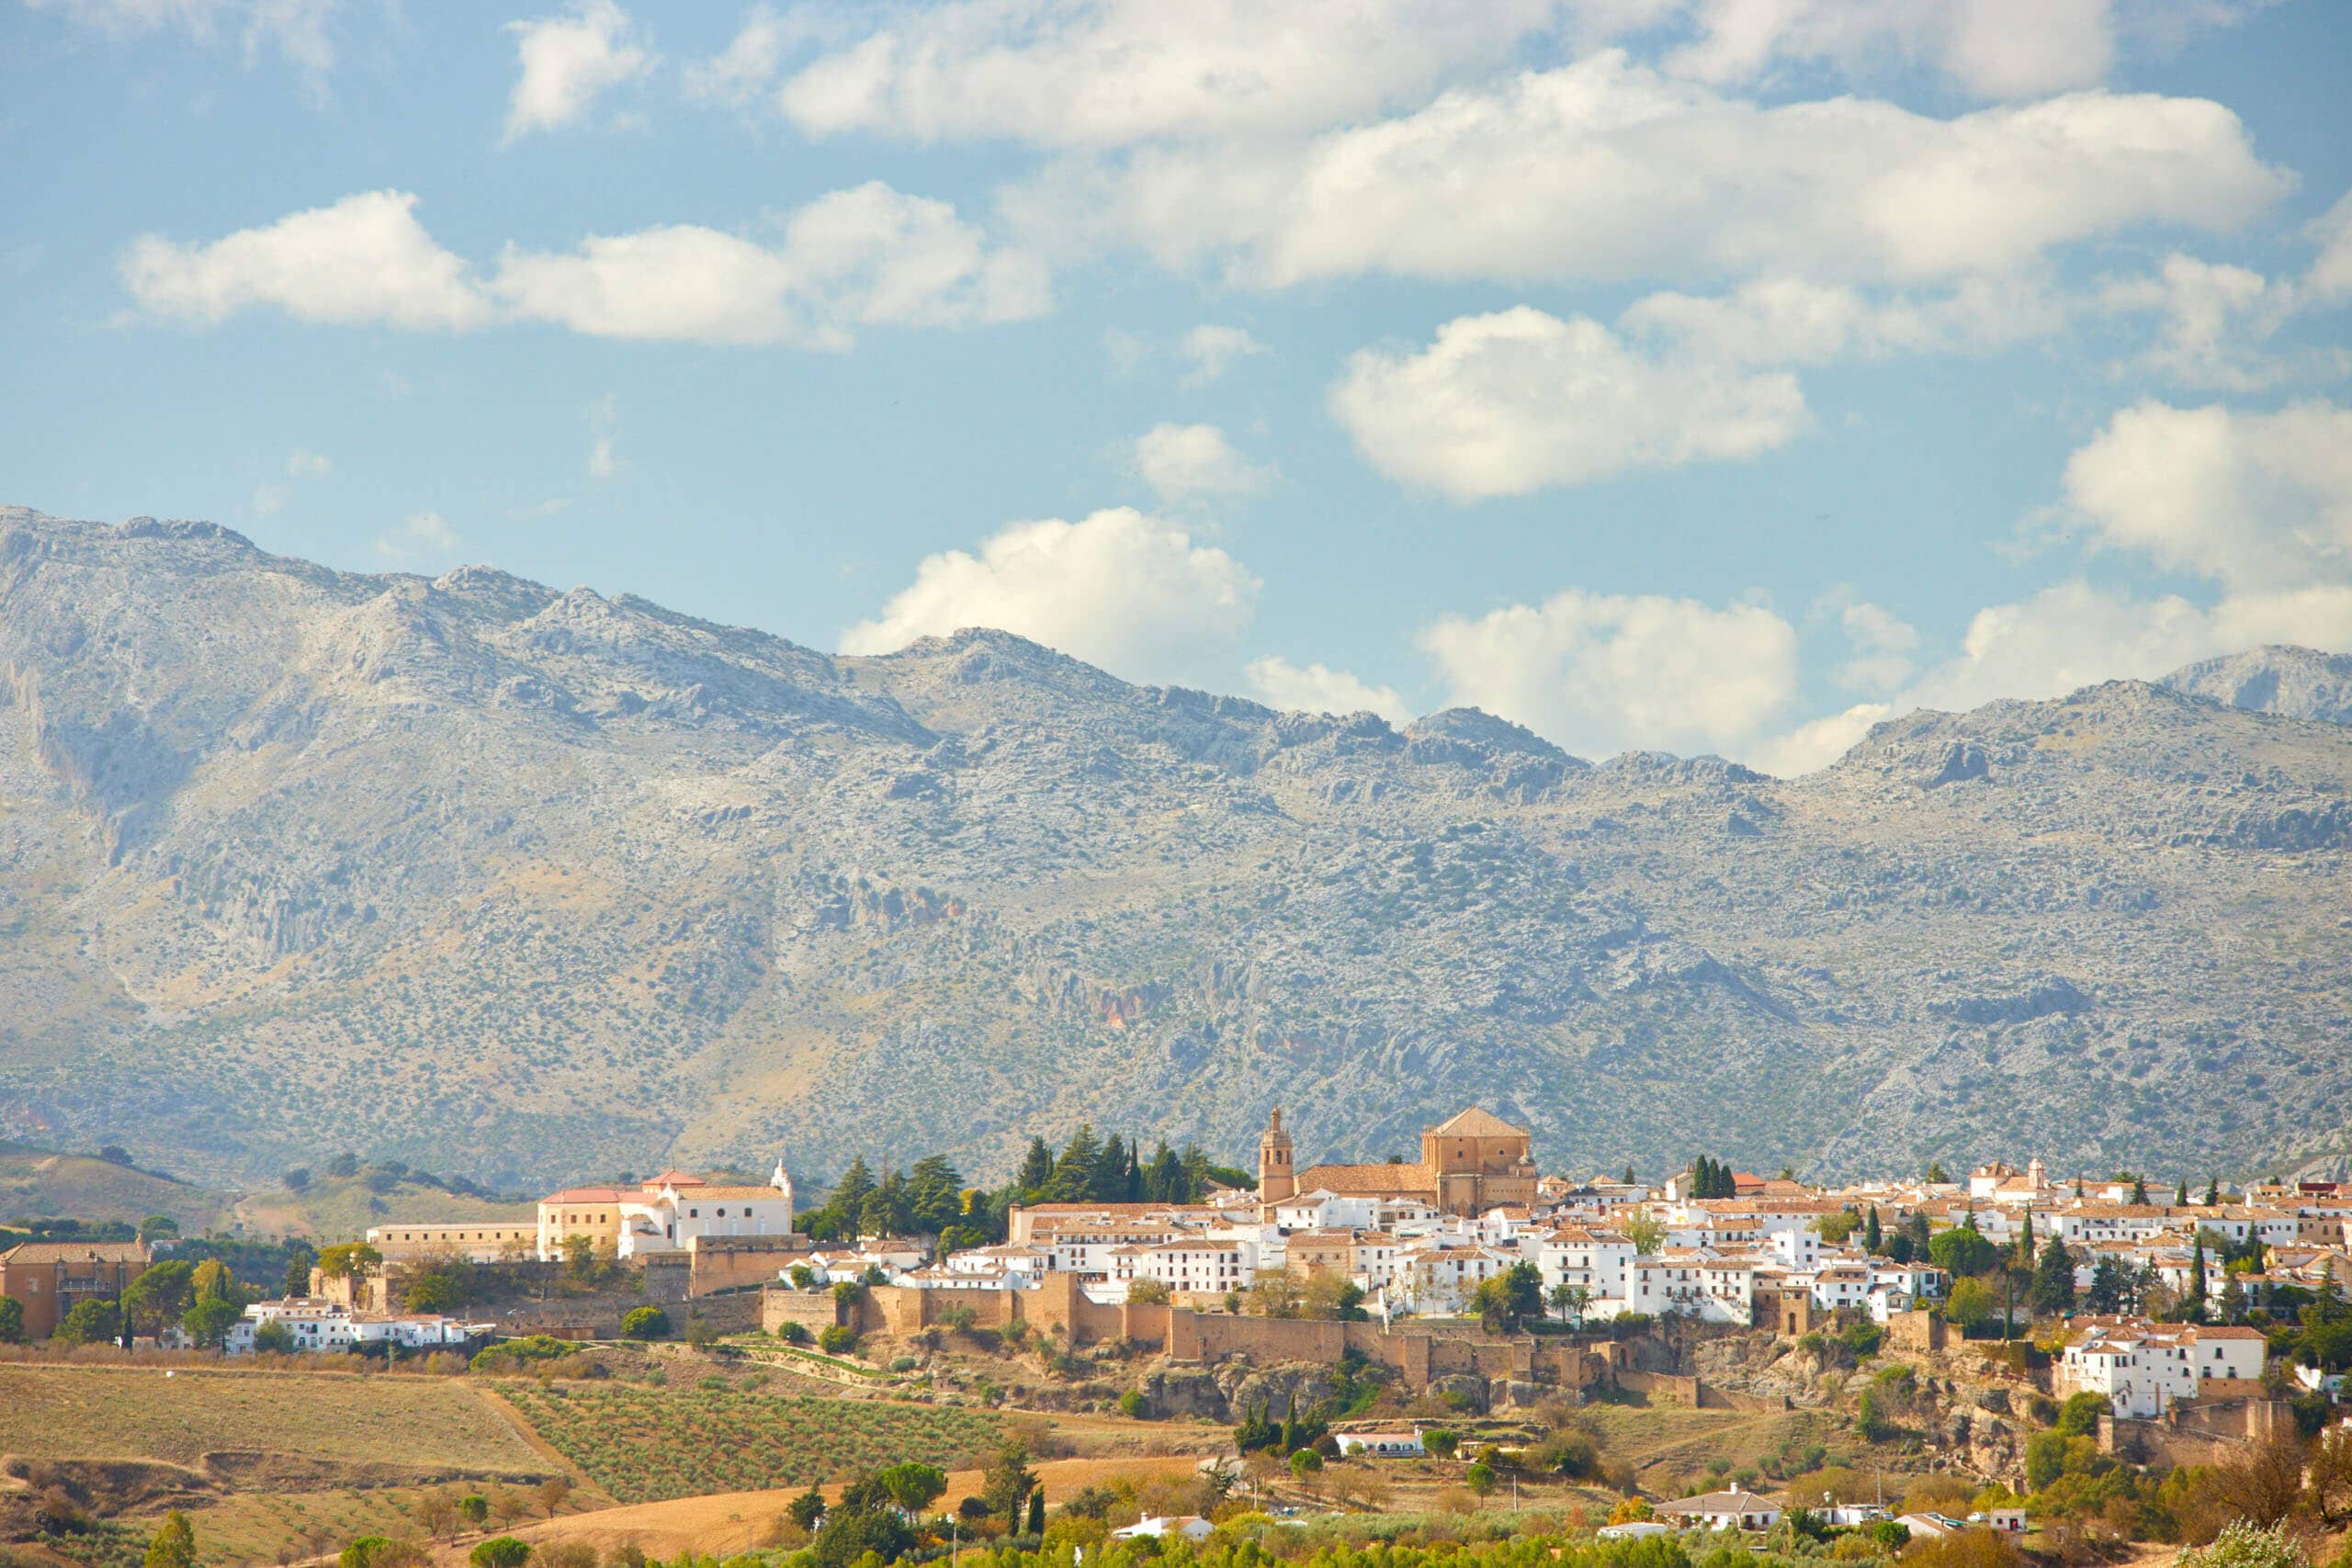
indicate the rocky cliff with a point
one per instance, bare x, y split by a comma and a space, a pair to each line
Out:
523, 885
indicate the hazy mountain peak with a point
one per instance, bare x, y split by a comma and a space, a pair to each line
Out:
2293, 682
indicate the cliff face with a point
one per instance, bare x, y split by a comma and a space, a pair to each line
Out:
520, 885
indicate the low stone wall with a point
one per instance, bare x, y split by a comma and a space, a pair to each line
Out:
812, 1309
725, 1262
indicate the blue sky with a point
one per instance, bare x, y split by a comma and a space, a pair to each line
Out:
1705, 375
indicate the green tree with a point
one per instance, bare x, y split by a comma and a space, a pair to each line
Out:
1869, 1422
298, 1260
159, 1295
500, 1551
208, 1321
352, 1259
89, 1323
2180, 1194
1873, 1240
2213, 1192
2140, 1190
645, 1322
1305, 1464
1038, 1511
2193, 1302
2053, 1290
1570, 1301
1645, 1233
1006, 1486
273, 1339
1963, 1251
174, 1543
2244, 1544
1037, 1168
849, 1194
1522, 1293
1075, 1172
2078, 1417
808, 1508
475, 1507
11, 1321
2108, 1288
1480, 1478
1969, 1304
912, 1486
1936, 1172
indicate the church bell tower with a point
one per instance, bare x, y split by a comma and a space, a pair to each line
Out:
1277, 1180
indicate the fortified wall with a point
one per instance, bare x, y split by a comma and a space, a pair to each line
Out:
1060, 1309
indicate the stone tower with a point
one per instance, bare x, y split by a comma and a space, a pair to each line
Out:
1276, 1177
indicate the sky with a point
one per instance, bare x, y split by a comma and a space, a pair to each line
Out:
1703, 376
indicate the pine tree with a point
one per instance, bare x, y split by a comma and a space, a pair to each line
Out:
1872, 1240
1076, 1171
1163, 1180
850, 1192
1110, 1184
174, 1543
2053, 1290
1037, 1169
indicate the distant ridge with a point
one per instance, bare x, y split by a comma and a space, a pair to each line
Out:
521, 884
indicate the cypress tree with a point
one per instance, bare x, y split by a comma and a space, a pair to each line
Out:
1038, 1511
2212, 1192
2197, 1280
2140, 1190
2180, 1194
1871, 1238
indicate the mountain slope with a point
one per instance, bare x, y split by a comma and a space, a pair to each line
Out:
2294, 683
524, 884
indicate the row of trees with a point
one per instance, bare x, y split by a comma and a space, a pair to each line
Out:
930, 1197
1711, 1178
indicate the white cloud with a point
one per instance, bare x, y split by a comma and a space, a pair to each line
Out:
1105, 73
866, 256
2253, 501
2073, 635
1118, 589
1181, 461
1601, 673
1882, 645
297, 30
2331, 274
1318, 688
1512, 402
420, 537
746, 67
364, 261
1818, 742
2213, 322
1791, 321
604, 457
1608, 170
1210, 348
1993, 48
270, 499
568, 62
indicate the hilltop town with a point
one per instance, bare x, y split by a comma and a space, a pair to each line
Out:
2002, 1351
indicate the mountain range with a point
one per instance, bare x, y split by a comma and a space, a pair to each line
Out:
527, 886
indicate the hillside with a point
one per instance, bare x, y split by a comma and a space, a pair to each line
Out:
523, 885
2294, 683
37, 1183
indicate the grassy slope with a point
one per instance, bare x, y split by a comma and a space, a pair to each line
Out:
401, 1424
331, 1211
38, 1183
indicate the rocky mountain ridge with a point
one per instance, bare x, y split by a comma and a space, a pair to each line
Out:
524, 884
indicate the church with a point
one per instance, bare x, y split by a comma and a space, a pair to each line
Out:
1468, 1164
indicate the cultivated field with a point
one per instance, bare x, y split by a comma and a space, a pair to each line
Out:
645, 1445
383, 1424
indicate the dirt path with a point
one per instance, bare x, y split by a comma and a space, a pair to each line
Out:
727, 1522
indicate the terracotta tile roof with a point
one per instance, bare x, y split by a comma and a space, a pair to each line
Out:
34, 1252
1370, 1181
1477, 1124
582, 1195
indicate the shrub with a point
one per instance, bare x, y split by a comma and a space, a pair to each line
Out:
500, 1551
837, 1340
793, 1333
645, 1322
1133, 1404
